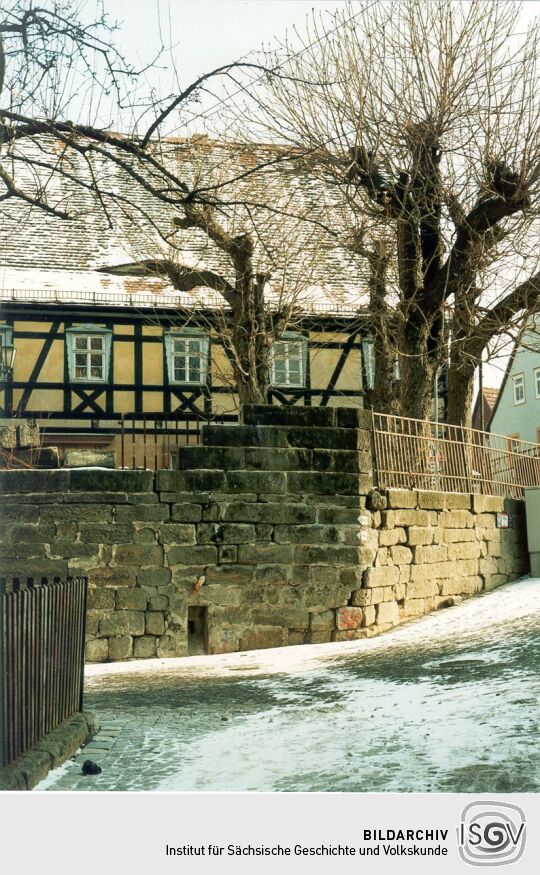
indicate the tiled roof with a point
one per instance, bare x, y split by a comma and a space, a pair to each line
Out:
42, 255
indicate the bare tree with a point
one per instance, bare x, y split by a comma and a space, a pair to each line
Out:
426, 116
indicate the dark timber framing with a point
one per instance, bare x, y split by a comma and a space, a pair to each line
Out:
97, 402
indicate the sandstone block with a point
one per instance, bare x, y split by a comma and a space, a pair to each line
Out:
325, 554
466, 550
456, 519
377, 595
492, 581
361, 597
261, 637
120, 648
411, 518
486, 520
186, 513
433, 571
370, 615
198, 480
89, 458
413, 607
402, 498
322, 483
419, 535
432, 500
349, 618
143, 513
384, 576
158, 602
401, 555
458, 501
467, 567
461, 586
422, 589
264, 554
154, 623
430, 553
390, 537
322, 621
101, 599
388, 613
131, 599
144, 647
116, 624
177, 533
256, 481
350, 634
170, 645
194, 556
154, 576
138, 555
488, 504
97, 650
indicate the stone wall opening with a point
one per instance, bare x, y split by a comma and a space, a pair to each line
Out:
197, 631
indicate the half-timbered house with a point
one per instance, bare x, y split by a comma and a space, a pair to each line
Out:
101, 350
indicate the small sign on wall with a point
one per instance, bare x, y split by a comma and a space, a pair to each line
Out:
505, 521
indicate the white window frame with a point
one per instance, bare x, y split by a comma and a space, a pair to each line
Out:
536, 377
89, 332
519, 383
188, 335
295, 349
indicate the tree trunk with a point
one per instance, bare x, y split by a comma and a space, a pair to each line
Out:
460, 393
417, 368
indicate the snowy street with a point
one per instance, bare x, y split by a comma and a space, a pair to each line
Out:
447, 703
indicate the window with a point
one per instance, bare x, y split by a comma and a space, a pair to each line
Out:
289, 357
536, 374
89, 353
187, 356
519, 389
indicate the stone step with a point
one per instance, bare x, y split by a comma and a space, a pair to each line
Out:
280, 437
274, 414
266, 459
311, 417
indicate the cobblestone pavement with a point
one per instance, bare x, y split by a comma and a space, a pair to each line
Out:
449, 703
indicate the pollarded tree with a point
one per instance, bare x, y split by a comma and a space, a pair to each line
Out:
427, 117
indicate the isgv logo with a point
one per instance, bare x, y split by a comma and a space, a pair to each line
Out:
491, 833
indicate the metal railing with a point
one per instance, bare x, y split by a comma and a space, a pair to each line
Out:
434, 456
42, 638
152, 441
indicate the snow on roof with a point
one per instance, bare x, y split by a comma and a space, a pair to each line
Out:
299, 221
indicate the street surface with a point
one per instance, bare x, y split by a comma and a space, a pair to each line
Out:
447, 703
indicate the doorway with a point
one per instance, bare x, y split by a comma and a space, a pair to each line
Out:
197, 631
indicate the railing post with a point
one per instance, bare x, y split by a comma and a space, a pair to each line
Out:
466, 459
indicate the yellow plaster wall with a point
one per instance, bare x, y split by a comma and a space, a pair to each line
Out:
124, 365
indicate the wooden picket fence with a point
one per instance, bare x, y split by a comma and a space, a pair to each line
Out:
42, 638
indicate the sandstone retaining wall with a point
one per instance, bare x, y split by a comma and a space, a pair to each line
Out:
272, 529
